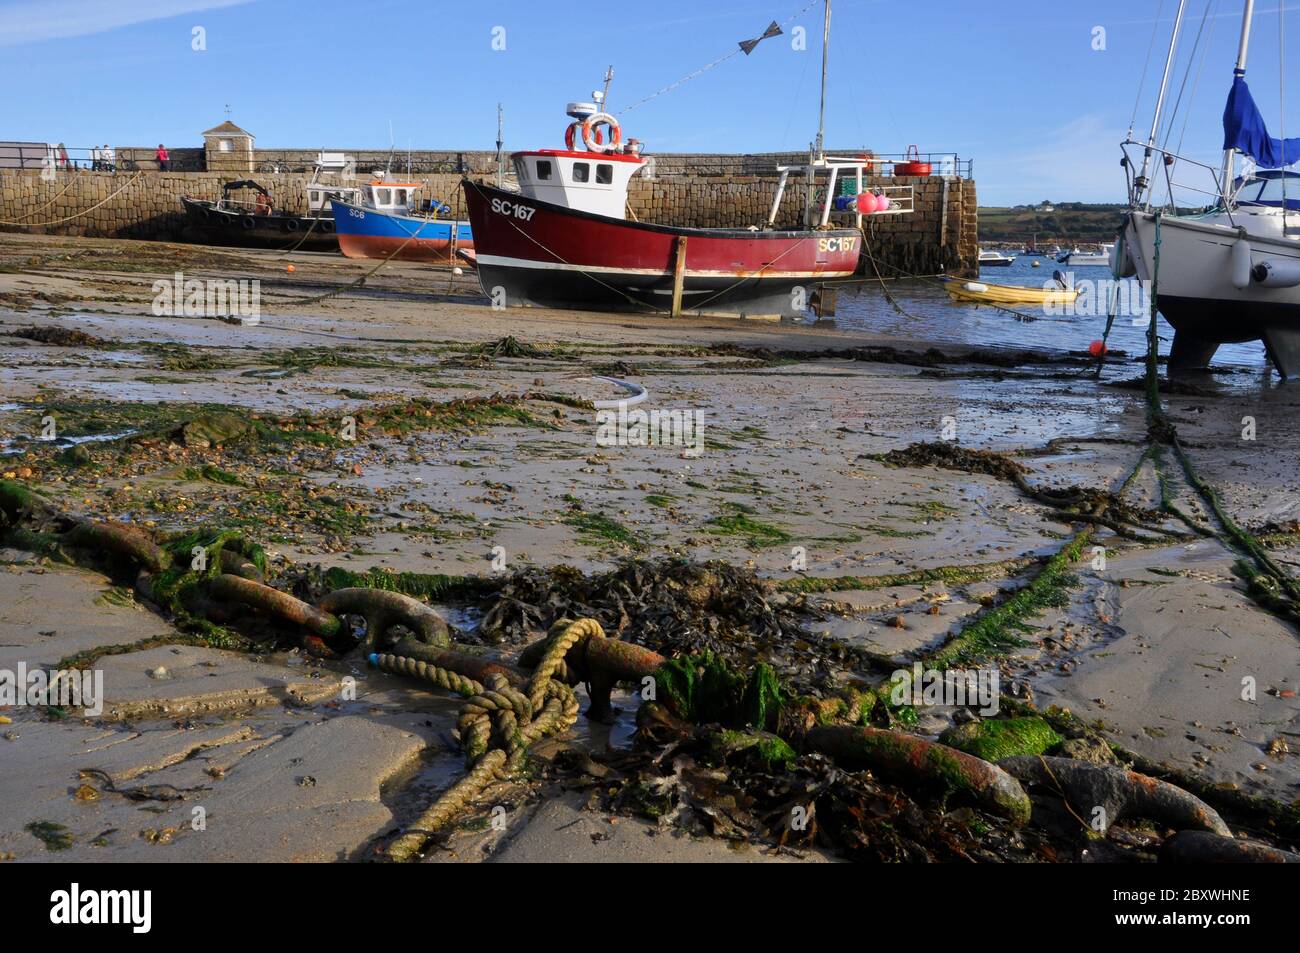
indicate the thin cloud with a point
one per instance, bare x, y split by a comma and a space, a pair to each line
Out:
34, 21
1077, 161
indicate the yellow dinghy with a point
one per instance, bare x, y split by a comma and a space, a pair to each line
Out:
981, 292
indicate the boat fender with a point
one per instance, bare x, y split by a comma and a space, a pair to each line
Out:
1121, 262
248, 221
1277, 273
327, 227
1240, 262
591, 135
291, 225
975, 286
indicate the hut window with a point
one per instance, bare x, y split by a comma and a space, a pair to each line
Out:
581, 172
604, 174
225, 145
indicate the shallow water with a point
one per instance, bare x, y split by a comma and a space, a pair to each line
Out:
933, 317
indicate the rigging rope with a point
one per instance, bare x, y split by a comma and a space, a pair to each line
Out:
704, 69
1281, 82
1196, 84
1137, 101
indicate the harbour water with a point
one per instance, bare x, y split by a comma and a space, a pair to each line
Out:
932, 316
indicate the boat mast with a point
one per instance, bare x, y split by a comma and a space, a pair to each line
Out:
1230, 154
821, 116
1140, 183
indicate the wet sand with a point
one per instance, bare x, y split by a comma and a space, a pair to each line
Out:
1153, 648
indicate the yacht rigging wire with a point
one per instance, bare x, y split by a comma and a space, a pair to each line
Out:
1281, 95
1187, 72
1137, 101
1196, 84
1178, 102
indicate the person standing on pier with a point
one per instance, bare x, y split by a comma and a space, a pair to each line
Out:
107, 159
164, 160
95, 162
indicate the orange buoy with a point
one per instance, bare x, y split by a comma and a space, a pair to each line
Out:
288, 268
1097, 348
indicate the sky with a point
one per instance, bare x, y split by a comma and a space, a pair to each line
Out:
1037, 92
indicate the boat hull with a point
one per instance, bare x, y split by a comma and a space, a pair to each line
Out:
216, 226
535, 254
1196, 295
367, 233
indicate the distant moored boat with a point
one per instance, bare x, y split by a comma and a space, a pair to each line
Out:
388, 219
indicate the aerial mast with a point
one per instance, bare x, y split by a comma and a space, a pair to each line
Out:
604, 96
501, 172
1242, 47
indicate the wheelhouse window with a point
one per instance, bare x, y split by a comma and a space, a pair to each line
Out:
543, 170
399, 196
384, 196
581, 172
604, 174
1269, 191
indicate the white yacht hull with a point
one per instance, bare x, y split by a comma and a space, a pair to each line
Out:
1197, 294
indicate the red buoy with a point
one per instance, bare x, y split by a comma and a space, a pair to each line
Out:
1097, 348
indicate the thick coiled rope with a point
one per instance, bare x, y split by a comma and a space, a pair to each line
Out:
496, 726
415, 668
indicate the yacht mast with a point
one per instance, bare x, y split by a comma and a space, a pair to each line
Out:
1140, 183
821, 117
1230, 154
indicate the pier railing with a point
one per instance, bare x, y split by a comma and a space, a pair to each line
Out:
941, 163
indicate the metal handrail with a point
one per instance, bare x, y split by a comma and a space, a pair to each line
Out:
962, 168
1219, 192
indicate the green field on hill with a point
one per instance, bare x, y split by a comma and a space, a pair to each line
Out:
1068, 223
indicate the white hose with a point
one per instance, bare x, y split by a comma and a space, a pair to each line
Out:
637, 392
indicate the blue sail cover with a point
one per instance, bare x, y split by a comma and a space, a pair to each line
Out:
1244, 130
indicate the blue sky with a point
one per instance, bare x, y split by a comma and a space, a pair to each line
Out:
1015, 84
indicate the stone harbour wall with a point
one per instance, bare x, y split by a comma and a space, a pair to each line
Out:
700, 191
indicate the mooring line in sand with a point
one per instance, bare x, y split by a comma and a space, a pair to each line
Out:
928, 279
359, 282
1279, 590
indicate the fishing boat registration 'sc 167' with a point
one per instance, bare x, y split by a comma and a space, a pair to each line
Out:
837, 244
512, 209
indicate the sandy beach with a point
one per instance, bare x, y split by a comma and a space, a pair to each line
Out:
404, 426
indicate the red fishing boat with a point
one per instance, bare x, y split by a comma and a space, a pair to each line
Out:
564, 240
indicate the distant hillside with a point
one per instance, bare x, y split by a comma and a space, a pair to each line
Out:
1066, 223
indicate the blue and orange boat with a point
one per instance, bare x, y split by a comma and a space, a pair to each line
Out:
389, 217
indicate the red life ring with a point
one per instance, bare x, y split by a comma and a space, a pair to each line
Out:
591, 135
571, 135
